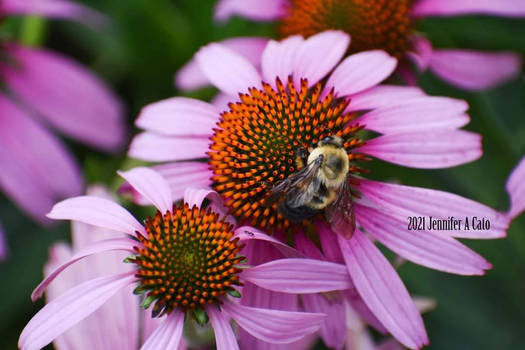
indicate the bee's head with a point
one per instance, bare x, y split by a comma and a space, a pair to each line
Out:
331, 140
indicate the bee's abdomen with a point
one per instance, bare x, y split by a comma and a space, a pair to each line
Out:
297, 214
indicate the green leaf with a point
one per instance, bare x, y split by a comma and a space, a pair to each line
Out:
201, 317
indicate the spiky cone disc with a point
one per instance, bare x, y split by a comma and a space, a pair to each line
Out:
372, 24
255, 143
186, 260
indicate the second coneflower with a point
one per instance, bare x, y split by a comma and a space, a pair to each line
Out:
188, 263
264, 118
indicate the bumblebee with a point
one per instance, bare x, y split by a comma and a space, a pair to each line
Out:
320, 185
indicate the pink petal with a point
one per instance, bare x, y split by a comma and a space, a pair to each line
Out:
158, 148
383, 96
273, 326
329, 243
191, 77
52, 8
182, 175
257, 297
510, 8
251, 9
222, 101
224, 336
194, 196
68, 96
516, 189
406, 201
229, 71
318, 55
98, 212
307, 246
418, 114
3, 245
422, 52
475, 70
151, 185
361, 71
94, 248
70, 308
382, 290
422, 247
333, 330
36, 167
247, 233
179, 116
359, 306
299, 276
426, 150
168, 335
279, 57
179, 176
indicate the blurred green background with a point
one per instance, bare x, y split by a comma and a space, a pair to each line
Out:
148, 41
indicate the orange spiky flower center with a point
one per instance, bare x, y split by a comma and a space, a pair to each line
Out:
372, 24
187, 259
256, 141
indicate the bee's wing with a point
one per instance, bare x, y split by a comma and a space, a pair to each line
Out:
294, 184
340, 213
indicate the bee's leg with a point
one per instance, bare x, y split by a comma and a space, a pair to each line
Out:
301, 157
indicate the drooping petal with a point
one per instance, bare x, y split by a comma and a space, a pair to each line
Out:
509, 8
299, 276
150, 185
382, 96
333, 330
36, 168
158, 148
168, 335
318, 55
247, 233
516, 189
179, 116
224, 336
70, 308
94, 248
229, 71
278, 59
417, 115
361, 71
422, 247
409, 201
52, 8
475, 70
251, 9
98, 212
382, 290
274, 326
191, 77
426, 150
67, 95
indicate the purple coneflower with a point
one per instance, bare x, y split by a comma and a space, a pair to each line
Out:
187, 262
45, 88
293, 102
387, 25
